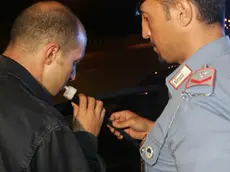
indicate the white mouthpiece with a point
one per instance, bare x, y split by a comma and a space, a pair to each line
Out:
69, 92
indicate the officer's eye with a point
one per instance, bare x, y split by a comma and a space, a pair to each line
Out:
145, 18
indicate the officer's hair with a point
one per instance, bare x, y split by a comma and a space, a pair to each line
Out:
210, 11
37, 26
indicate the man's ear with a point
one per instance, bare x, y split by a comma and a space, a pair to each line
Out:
185, 12
51, 52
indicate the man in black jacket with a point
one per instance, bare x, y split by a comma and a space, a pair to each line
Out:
47, 41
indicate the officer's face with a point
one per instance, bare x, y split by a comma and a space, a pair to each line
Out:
163, 29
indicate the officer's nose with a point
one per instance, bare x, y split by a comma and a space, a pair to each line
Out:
145, 30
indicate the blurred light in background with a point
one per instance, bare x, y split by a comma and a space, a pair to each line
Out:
227, 23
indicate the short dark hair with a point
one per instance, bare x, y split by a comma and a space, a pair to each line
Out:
210, 11
36, 26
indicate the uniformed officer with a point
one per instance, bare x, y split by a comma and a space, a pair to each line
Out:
193, 132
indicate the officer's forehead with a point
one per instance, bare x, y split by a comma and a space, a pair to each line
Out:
139, 5
142, 2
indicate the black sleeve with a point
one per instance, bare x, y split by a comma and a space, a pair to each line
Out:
88, 143
60, 151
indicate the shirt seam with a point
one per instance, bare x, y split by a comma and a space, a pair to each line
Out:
24, 165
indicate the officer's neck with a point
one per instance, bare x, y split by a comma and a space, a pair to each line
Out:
201, 37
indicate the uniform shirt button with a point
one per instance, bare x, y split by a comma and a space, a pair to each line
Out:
149, 152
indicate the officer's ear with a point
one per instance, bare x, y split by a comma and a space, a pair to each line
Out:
51, 53
184, 10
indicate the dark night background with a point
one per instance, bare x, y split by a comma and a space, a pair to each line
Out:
100, 17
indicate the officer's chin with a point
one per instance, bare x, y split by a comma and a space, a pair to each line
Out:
155, 49
162, 60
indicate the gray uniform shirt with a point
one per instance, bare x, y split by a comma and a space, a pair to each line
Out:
193, 132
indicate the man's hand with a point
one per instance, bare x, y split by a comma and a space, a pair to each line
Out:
137, 127
89, 115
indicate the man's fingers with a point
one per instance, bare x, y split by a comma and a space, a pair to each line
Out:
103, 114
111, 128
120, 137
123, 124
83, 102
99, 107
115, 116
91, 103
116, 133
75, 107
122, 115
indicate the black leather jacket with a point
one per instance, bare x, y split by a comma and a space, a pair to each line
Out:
34, 136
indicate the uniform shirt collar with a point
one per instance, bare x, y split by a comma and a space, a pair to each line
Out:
200, 58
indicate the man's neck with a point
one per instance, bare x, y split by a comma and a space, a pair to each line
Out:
29, 63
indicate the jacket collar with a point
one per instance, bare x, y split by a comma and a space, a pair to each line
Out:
14, 69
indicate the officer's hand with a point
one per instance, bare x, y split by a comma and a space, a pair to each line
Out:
89, 115
137, 127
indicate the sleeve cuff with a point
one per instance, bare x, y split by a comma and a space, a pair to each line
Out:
88, 142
